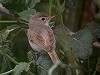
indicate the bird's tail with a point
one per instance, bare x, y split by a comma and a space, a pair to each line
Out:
53, 56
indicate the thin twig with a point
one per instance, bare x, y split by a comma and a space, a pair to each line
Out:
16, 34
11, 59
6, 73
8, 21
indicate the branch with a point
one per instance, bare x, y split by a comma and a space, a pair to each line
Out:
8, 21
6, 73
9, 57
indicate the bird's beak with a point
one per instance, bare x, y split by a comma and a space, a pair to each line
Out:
51, 17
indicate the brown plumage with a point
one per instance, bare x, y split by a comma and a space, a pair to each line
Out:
40, 35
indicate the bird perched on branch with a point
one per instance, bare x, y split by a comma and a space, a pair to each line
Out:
40, 35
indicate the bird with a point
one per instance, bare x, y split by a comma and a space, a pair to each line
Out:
40, 35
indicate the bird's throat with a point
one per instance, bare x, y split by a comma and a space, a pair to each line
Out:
46, 23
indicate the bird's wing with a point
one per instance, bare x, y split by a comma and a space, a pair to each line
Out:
44, 39
49, 38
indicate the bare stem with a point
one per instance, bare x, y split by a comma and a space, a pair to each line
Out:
11, 59
50, 6
16, 34
8, 21
6, 73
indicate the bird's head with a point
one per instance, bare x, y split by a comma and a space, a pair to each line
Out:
41, 18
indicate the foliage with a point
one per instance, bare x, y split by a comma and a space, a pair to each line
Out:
82, 43
75, 49
25, 15
21, 67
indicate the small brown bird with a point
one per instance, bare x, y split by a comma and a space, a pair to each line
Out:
40, 35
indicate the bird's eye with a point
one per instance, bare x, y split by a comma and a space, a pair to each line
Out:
42, 19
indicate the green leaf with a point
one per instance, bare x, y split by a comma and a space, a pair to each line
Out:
82, 43
27, 14
32, 3
43, 65
30, 56
22, 66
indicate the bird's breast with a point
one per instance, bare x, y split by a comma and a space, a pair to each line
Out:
34, 46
